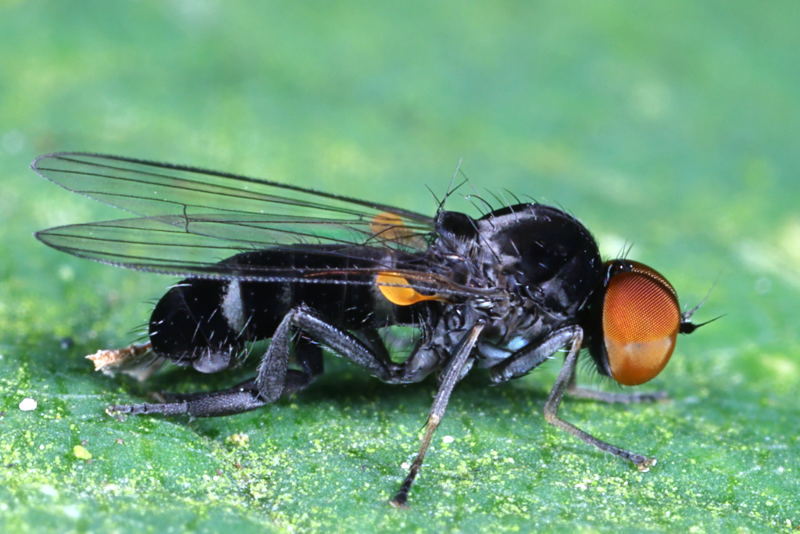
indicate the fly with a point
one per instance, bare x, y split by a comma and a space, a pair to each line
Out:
308, 269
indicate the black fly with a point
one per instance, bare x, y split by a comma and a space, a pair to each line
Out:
308, 269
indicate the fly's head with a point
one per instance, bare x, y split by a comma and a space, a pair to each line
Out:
636, 321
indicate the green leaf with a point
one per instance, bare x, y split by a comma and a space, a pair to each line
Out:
671, 126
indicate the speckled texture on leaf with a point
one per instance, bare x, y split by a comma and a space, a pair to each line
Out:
671, 126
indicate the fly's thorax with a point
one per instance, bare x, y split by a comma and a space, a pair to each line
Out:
457, 249
543, 257
453, 226
446, 328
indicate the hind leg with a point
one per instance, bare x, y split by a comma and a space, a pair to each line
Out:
274, 378
240, 398
272, 371
237, 399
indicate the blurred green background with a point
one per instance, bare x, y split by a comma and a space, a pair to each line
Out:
671, 126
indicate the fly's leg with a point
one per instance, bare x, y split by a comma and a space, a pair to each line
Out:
272, 371
573, 390
274, 377
374, 342
531, 355
309, 356
615, 398
451, 375
554, 400
240, 398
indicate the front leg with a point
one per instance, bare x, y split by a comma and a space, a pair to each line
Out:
573, 390
554, 400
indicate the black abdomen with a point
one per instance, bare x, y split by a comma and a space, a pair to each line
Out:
205, 322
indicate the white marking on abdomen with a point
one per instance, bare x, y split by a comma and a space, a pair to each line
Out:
232, 306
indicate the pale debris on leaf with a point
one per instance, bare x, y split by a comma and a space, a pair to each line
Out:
137, 360
239, 440
28, 404
81, 452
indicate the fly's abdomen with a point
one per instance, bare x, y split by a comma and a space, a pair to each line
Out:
206, 323
189, 325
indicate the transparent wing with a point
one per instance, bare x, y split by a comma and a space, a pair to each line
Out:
162, 245
193, 220
267, 213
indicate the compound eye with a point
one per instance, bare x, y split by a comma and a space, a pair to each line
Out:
641, 318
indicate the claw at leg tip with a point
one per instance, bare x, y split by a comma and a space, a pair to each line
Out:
645, 466
395, 503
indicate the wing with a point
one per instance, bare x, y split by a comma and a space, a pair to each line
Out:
192, 220
272, 213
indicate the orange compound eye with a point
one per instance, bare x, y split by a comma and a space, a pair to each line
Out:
641, 318
389, 285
